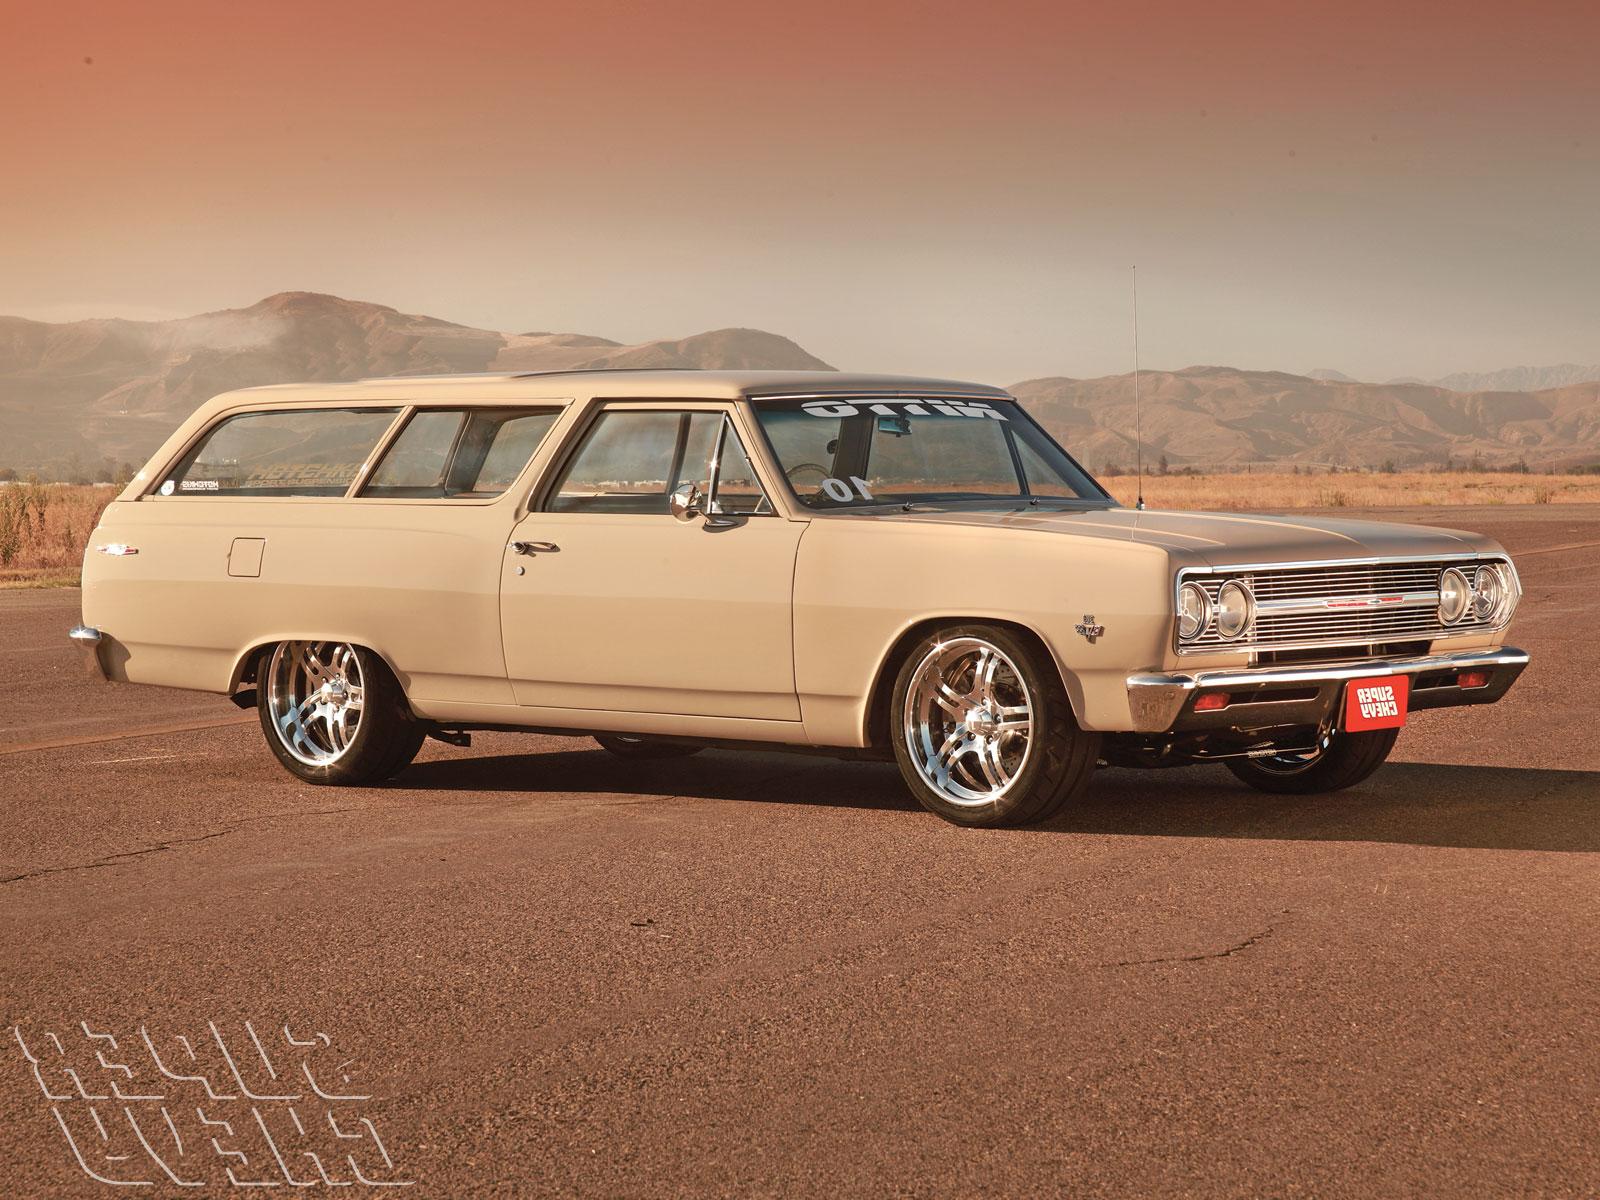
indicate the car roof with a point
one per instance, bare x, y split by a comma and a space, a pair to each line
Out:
644, 383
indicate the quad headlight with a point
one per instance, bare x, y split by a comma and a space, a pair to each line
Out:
1227, 614
1455, 595
1194, 611
1490, 593
1482, 595
1234, 603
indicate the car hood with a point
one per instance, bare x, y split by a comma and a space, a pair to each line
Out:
1222, 539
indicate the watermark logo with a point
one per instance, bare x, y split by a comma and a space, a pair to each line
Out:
245, 1108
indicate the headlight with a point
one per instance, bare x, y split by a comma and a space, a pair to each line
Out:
1194, 611
1234, 602
1455, 592
1489, 593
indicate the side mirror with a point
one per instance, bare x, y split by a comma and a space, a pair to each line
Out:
686, 503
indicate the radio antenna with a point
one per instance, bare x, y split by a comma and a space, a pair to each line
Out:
1138, 409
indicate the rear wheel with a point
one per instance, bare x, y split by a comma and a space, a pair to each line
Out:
626, 745
983, 731
1341, 761
334, 713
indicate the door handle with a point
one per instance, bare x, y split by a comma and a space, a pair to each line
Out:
533, 547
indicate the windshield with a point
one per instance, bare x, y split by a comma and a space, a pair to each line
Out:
859, 452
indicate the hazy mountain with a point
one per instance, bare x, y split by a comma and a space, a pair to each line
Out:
1521, 379
114, 388
1510, 379
1219, 415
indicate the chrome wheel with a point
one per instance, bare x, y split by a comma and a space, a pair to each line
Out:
968, 721
315, 694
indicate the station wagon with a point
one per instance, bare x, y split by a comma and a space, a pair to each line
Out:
867, 566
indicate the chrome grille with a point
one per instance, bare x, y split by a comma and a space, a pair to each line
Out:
1342, 604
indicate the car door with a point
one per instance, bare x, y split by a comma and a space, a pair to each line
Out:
610, 602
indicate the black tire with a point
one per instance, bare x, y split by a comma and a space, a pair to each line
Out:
1344, 762
386, 739
1060, 757
625, 745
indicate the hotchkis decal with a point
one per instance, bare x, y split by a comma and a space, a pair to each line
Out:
903, 408
199, 485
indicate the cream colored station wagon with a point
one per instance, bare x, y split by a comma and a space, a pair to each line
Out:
868, 566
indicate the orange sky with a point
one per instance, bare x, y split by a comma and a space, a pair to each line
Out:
949, 188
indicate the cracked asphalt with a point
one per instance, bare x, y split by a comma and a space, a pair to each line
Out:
561, 974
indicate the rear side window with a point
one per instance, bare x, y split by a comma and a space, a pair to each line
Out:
290, 452
459, 453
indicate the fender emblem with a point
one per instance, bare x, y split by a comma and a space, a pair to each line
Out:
1088, 630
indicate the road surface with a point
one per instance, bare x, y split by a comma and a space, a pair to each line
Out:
560, 974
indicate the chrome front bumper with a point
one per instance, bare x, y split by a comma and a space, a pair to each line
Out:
87, 638
1265, 697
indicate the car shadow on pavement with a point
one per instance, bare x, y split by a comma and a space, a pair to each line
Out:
1502, 808
1419, 804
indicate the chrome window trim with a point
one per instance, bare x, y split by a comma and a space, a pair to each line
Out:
1248, 642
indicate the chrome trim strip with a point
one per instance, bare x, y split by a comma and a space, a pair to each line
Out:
1332, 606
1155, 700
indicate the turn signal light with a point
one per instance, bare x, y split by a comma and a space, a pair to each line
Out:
1472, 679
1211, 702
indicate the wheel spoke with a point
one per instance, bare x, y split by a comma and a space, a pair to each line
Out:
988, 756
944, 760
947, 698
983, 671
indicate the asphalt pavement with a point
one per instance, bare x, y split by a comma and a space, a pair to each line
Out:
557, 973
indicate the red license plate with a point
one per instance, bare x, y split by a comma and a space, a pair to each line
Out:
1376, 703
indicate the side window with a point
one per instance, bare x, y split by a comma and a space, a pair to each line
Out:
290, 452
459, 453
632, 460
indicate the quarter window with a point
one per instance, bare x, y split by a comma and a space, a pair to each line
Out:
459, 453
632, 460
288, 452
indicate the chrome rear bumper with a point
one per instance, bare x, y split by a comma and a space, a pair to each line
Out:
1263, 697
87, 638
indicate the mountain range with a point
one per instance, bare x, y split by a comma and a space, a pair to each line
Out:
1508, 379
83, 392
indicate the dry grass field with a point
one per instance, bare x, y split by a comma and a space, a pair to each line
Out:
43, 529
44, 526
1351, 489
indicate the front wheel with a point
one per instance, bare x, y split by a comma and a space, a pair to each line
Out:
1341, 761
983, 730
334, 713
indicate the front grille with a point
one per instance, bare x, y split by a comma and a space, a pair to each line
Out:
1352, 604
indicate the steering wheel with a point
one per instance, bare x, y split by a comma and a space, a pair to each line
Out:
807, 466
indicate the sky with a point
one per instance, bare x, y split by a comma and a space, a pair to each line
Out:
942, 188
